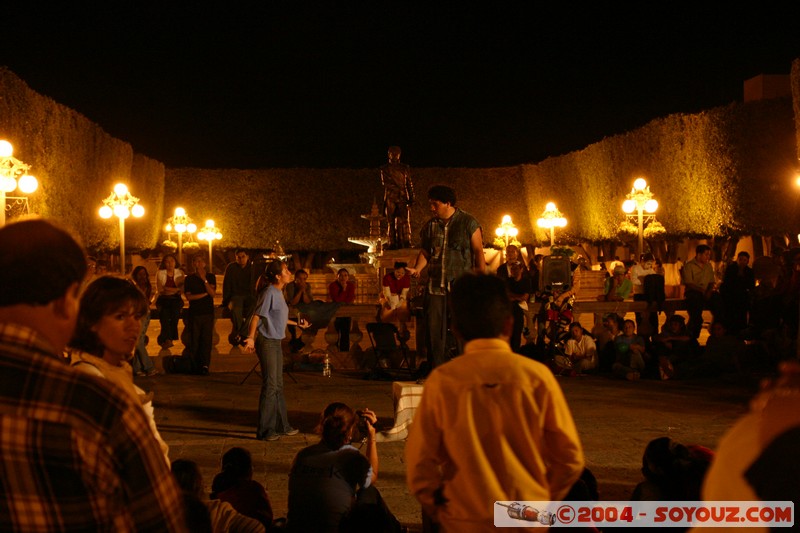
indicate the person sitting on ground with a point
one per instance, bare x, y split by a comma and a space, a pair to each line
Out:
605, 334
109, 323
580, 353
630, 353
318, 501
722, 353
235, 484
223, 516
672, 471
617, 288
674, 348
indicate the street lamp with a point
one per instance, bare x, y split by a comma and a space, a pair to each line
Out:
122, 204
506, 229
12, 177
180, 223
641, 200
551, 219
209, 233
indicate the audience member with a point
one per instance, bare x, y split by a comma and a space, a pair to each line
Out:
518, 285
605, 334
675, 349
723, 352
319, 501
224, 518
630, 353
700, 287
394, 296
580, 353
639, 271
105, 337
298, 295
89, 425
200, 288
169, 284
617, 287
513, 255
735, 292
459, 449
672, 471
141, 362
342, 290
461, 233
235, 485
267, 329
239, 293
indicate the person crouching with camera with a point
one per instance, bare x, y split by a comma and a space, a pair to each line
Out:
331, 484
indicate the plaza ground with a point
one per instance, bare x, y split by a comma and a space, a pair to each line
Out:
200, 417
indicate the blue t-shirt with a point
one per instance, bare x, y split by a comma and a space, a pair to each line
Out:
274, 313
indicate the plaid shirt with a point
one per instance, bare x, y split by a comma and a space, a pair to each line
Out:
75, 453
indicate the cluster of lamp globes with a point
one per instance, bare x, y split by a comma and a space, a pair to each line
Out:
552, 217
8, 181
181, 224
121, 204
640, 197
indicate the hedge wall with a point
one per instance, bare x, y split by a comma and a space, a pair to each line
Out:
318, 209
77, 165
723, 172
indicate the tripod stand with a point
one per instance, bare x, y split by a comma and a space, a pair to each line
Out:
286, 368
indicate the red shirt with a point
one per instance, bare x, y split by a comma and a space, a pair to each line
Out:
339, 294
395, 285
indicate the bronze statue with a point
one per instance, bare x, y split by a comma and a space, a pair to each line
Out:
398, 197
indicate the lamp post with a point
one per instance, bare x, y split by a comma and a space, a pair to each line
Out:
641, 200
12, 177
551, 219
209, 233
180, 223
122, 204
506, 229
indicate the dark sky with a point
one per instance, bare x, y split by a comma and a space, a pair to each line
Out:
333, 84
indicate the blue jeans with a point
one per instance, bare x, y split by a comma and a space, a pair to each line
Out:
141, 360
272, 416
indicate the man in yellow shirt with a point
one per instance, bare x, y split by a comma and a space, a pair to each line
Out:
491, 425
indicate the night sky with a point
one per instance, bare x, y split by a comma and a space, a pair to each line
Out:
333, 84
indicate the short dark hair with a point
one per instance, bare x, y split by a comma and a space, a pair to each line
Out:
442, 193
400, 264
38, 262
743, 253
241, 250
188, 476
102, 297
480, 306
701, 249
300, 271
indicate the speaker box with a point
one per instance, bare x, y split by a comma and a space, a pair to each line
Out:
556, 273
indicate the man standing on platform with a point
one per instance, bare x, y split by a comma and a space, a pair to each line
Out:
398, 196
491, 425
239, 292
452, 244
77, 452
698, 278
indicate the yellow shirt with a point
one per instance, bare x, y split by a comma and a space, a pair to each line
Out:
491, 425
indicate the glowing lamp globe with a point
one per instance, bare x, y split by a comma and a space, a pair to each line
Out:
7, 183
137, 211
513, 232
6, 150
28, 184
122, 211
639, 184
499, 232
106, 212
180, 228
191, 228
629, 206
120, 189
180, 212
650, 206
560, 222
550, 206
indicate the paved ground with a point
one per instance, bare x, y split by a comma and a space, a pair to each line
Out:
201, 417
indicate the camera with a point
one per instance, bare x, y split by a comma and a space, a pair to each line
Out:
363, 424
